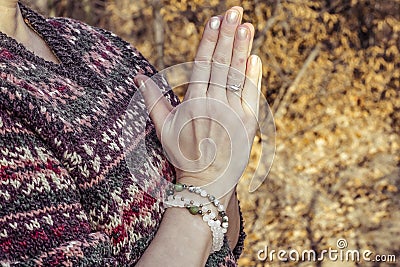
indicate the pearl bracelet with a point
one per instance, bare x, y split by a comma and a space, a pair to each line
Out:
218, 227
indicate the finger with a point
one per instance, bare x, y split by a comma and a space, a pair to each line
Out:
236, 75
157, 105
252, 31
202, 62
223, 53
252, 86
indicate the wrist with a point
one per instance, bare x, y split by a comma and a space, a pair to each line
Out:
187, 229
198, 202
216, 189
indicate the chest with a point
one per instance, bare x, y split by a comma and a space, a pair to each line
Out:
105, 141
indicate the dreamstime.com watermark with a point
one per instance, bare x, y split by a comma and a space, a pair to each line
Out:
340, 253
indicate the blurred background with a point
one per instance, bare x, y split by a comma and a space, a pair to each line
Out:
332, 79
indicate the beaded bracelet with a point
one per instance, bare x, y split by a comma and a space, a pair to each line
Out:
197, 190
218, 227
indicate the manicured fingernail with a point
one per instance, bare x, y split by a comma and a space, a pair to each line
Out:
214, 23
232, 16
254, 60
242, 33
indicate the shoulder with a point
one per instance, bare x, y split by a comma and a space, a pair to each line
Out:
104, 51
97, 43
87, 36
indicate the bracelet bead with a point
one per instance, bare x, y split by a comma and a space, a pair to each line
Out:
194, 210
218, 227
179, 187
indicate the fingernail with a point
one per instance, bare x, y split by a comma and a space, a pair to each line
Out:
141, 85
232, 16
254, 60
242, 33
214, 23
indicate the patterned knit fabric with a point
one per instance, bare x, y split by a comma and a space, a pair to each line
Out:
67, 197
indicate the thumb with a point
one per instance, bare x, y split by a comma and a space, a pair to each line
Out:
156, 104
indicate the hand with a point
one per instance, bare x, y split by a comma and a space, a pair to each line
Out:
208, 137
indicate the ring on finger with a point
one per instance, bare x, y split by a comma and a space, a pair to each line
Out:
234, 87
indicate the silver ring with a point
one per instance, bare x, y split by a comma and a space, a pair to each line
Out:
234, 87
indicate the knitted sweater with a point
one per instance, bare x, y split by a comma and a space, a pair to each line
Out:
66, 195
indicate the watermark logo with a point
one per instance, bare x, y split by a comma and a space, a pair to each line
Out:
338, 254
198, 109
341, 243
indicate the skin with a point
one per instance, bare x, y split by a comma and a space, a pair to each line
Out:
221, 46
13, 24
188, 237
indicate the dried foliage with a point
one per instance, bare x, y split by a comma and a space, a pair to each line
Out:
331, 75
